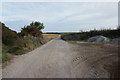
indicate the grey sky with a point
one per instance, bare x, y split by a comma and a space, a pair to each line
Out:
61, 16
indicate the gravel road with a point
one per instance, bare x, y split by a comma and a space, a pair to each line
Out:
59, 59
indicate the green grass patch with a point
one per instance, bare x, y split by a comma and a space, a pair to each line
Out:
5, 58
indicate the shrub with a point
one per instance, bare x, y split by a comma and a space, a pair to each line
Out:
8, 35
25, 44
34, 29
16, 51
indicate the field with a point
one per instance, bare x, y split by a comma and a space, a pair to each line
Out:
50, 35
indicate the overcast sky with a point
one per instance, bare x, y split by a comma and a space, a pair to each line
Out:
61, 17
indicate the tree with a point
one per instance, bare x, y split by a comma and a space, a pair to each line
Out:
118, 27
34, 29
38, 25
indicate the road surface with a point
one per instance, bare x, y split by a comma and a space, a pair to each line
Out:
58, 59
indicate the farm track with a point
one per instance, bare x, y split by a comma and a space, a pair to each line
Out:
60, 59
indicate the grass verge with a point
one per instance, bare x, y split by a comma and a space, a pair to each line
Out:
21, 46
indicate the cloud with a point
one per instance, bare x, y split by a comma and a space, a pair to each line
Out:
61, 16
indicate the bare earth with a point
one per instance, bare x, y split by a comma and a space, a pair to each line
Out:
60, 59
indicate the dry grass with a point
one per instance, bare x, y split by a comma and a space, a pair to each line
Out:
50, 35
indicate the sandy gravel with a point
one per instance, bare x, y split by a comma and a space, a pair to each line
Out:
60, 59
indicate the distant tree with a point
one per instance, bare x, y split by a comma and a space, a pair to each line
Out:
81, 31
118, 27
34, 29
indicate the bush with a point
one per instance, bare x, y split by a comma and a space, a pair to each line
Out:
34, 29
25, 44
16, 51
8, 35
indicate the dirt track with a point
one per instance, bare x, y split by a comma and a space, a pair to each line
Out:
60, 59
